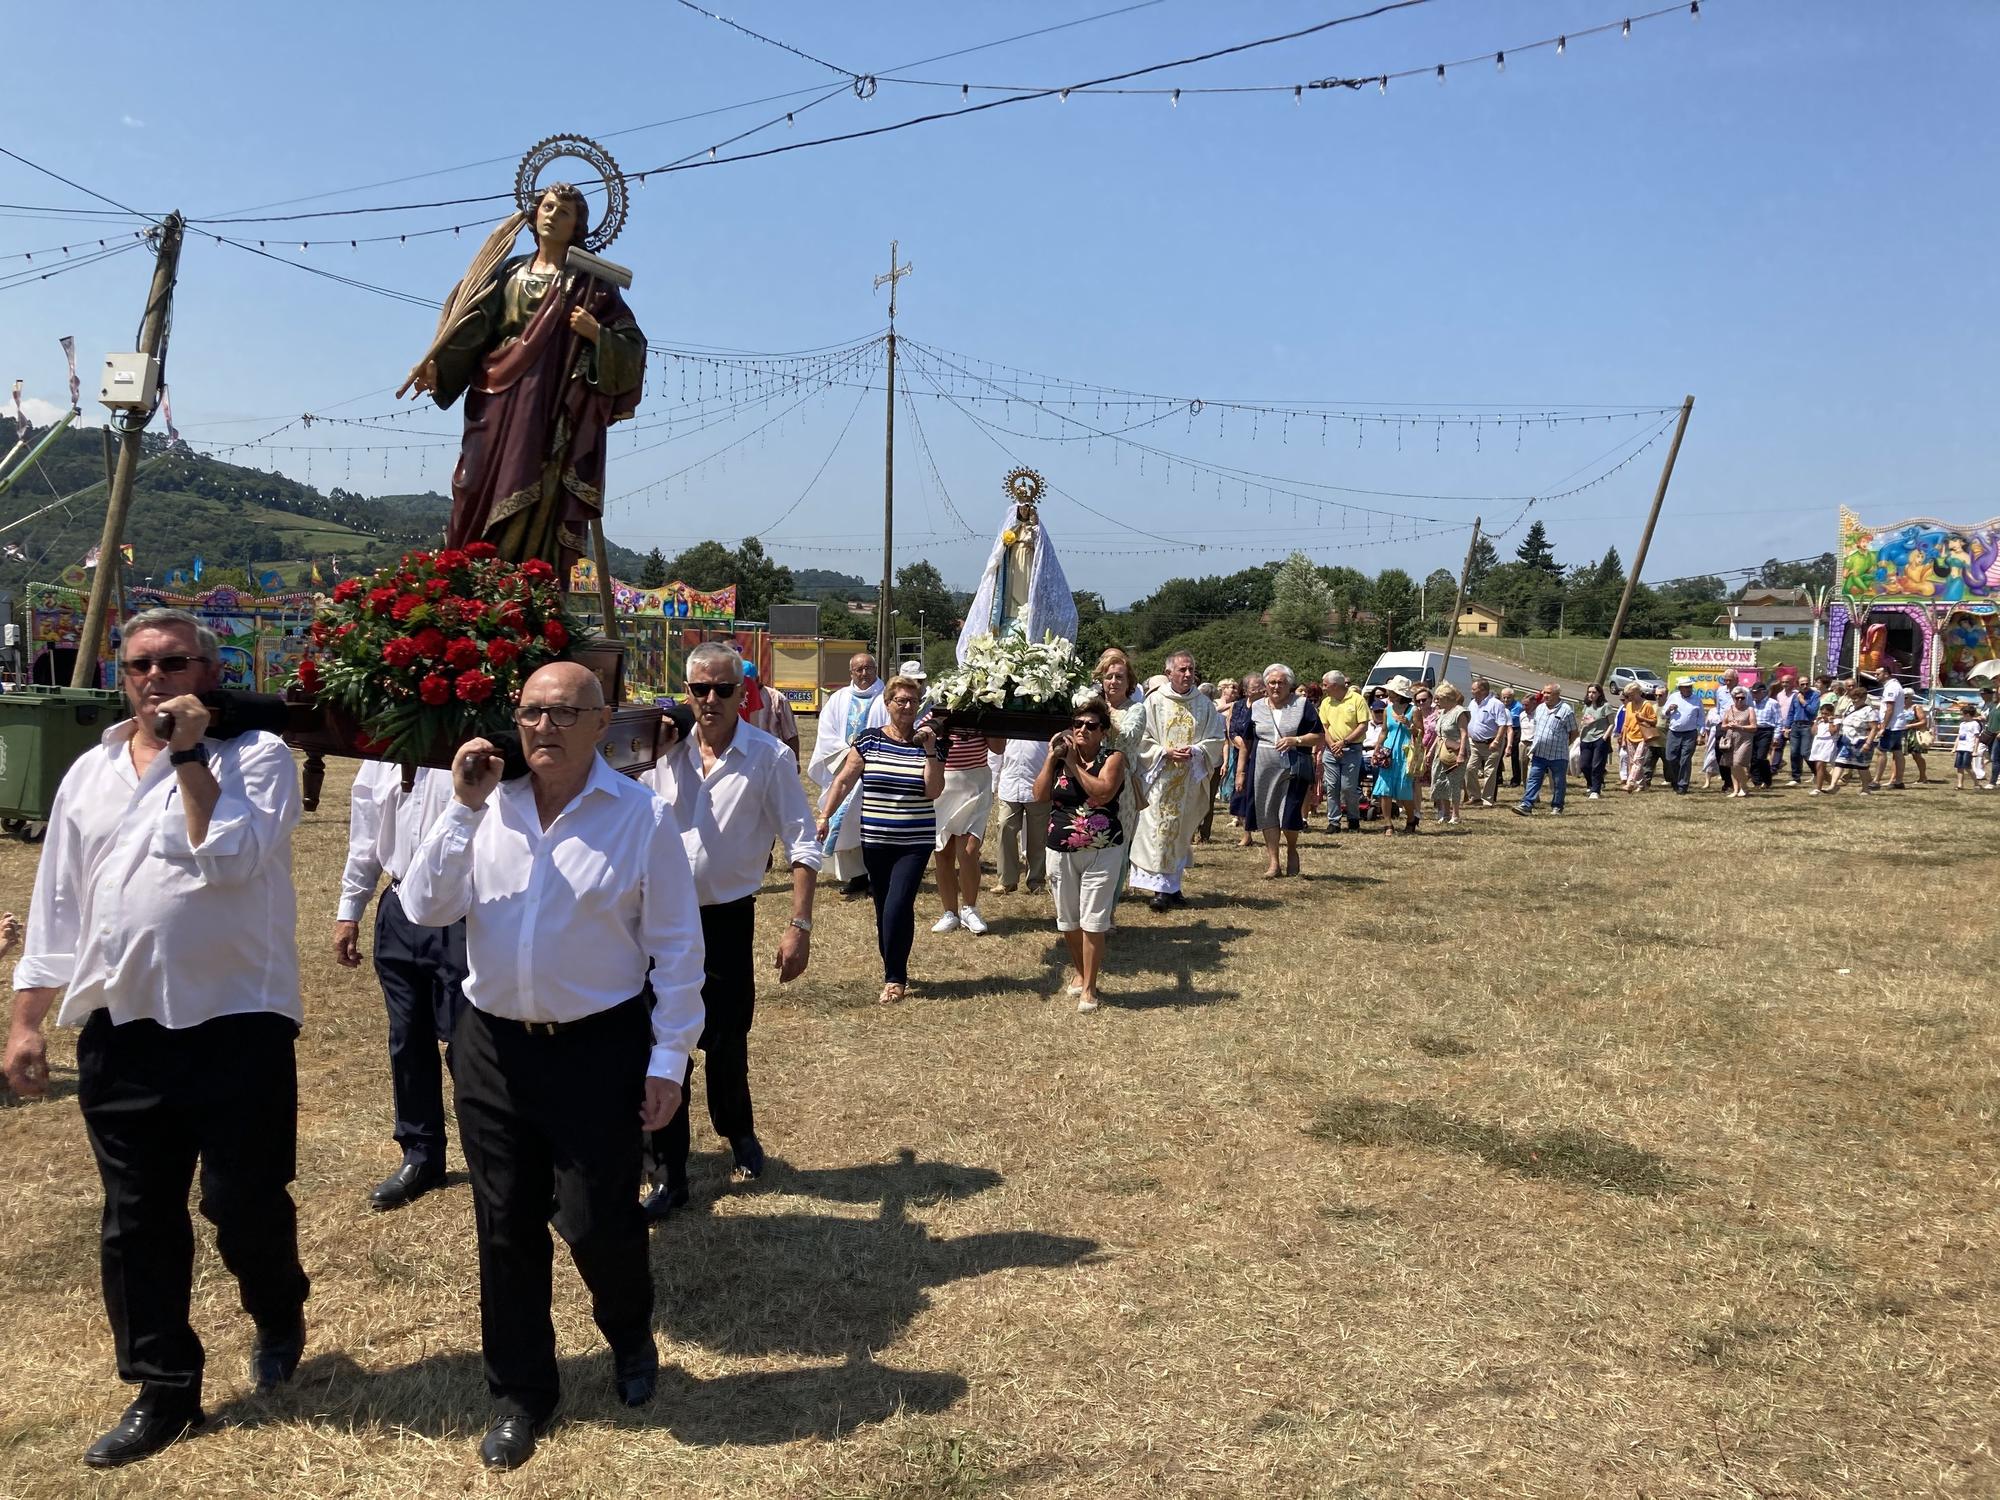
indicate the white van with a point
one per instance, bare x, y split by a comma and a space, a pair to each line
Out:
1422, 668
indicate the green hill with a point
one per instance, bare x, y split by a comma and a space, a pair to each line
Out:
186, 505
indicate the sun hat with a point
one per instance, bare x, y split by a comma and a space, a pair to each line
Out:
913, 669
1400, 687
1683, 682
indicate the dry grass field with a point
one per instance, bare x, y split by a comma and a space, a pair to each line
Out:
1649, 1152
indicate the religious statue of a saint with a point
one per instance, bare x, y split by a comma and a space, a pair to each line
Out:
1023, 591
547, 357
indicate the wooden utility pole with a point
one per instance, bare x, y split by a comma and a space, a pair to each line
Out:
1458, 608
885, 632
152, 338
1645, 541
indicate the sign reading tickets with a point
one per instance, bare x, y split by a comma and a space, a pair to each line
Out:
1706, 664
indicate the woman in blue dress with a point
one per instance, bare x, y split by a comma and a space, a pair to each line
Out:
1242, 757
1396, 780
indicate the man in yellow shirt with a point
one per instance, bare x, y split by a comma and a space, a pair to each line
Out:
1343, 715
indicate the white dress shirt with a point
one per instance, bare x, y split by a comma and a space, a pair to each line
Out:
729, 817
384, 826
1018, 766
561, 921
128, 917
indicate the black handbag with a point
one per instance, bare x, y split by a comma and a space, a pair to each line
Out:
1298, 763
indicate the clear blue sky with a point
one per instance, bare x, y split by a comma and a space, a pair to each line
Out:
1785, 207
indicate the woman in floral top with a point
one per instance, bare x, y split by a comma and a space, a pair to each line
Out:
1081, 781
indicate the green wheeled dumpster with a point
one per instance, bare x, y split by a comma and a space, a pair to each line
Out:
42, 732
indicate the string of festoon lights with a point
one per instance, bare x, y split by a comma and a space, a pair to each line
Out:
1494, 58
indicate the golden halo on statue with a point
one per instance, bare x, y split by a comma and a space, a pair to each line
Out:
1023, 486
527, 183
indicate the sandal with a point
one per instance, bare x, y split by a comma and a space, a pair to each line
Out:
891, 994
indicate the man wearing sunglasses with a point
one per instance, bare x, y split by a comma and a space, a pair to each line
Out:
734, 788
163, 918
573, 884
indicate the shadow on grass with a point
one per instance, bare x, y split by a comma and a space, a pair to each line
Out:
821, 1287
444, 1396
1188, 955
1587, 1158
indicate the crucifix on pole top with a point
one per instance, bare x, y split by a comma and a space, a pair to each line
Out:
885, 609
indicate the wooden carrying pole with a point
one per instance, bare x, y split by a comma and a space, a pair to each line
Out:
1458, 607
1645, 541
607, 601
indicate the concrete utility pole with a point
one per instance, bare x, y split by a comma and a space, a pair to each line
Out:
885, 632
1645, 541
152, 341
1458, 608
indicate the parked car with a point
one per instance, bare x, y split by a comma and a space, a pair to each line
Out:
1623, 677
1421, 667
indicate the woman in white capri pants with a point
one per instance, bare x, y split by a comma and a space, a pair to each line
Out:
1081, 780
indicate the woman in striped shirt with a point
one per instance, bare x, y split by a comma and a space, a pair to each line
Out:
900, 778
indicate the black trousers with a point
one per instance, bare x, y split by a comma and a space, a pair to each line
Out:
542, 1116
728, 1000
421, 970
895, 875
156, 1103
1592, 756
1760, 756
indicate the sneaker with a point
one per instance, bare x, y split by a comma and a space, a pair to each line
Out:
1521, 811
1793, 782
946, 923
1555, 812
971, 921
1592, 798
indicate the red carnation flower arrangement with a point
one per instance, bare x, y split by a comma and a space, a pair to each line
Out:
427, 654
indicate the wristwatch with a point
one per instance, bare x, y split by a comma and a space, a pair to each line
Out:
804, 924
194, 755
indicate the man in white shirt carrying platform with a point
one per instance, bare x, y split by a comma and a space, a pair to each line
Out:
572, 881
733, 789
163, 917
421, 969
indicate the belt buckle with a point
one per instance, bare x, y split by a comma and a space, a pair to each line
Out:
540, 1028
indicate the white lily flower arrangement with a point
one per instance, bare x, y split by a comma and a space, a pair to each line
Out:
1013, 672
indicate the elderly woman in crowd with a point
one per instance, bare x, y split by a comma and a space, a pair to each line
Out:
1735, 739
1638, 728
1081, 781
1243, 754
1860, 727
1230, 694
900, 779
1396, 776
1115, 683
1449, 747
1423, 722
1283, 742
1593, 740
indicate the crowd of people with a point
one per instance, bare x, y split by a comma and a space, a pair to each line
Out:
558, 943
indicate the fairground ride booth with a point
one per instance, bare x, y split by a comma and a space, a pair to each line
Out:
805, 665
660, 626
1923, 592
262, 636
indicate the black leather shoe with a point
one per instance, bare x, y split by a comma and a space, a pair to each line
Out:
406, 1184
636, 1376
275, 1355
749, 1153
856, 888
149, 1424
663, 1200
1160, 903
509, 1442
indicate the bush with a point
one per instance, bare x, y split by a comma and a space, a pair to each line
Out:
1225, 648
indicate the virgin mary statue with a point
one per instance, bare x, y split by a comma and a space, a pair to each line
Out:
547, 359
1023, 591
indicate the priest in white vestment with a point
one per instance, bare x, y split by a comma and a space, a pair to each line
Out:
842, 718
1180, 745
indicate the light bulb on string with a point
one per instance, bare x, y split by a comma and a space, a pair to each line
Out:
1627, 31
1063, 96
1562, 42
1499, 62
1440, 73
1176, 99
1382, 84
1694, 10
1298, 92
